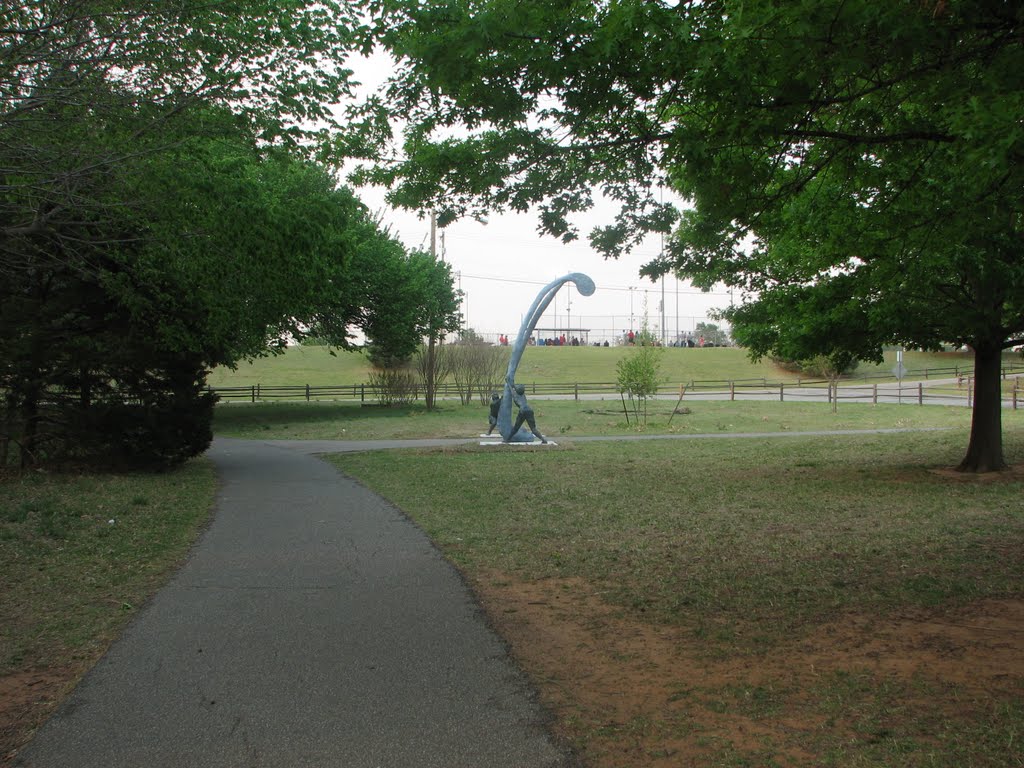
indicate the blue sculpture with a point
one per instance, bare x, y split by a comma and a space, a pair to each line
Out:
514, 432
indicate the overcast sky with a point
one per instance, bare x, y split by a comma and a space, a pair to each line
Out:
502, 265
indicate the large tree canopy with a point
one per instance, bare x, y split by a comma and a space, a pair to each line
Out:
854, 167
72, 69
164, 209
210, 250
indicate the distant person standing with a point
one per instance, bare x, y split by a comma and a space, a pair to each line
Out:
630, 337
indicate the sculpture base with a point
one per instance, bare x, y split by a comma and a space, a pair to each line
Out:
491, 441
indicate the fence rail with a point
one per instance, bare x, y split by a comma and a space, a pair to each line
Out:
954, 391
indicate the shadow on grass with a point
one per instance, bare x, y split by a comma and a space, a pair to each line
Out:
242, 416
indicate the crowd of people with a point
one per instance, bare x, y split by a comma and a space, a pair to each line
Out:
560, 341
629, 338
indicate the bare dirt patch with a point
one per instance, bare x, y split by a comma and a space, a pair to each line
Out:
1012, 474
27, 699
628, 693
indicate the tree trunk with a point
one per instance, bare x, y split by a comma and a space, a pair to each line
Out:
430, 379
985, 450
30, 426
8, 430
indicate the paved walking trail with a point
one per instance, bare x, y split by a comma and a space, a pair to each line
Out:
312, 625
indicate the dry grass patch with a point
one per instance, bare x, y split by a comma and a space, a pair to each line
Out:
800, 601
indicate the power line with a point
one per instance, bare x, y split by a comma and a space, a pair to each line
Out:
691, 291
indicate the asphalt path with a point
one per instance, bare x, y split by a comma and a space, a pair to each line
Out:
312, 625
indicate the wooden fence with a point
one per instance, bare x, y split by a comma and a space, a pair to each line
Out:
953, 390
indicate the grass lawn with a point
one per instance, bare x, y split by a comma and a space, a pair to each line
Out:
797, 601
78, 555
317, 367
807, 601
564, 419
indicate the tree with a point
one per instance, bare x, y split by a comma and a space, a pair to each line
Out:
638, 377
476, 366
408, 297
223, 250
440, 314
160, 215
148, 210
711, 334
853, 167
72, 69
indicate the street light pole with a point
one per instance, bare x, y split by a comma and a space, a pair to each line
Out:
568, 311
663, 310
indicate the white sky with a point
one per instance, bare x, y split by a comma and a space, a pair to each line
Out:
502, 265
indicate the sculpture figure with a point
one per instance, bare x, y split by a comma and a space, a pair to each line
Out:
492, 417
525, 413
514, 433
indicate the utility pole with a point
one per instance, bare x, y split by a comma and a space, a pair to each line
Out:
431, 340
433, 235
677, 308
568, 311
661, 257
663, 310
462, 296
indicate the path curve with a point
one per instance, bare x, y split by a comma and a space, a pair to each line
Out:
312, 625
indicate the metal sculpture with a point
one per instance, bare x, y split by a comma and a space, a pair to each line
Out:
514, 432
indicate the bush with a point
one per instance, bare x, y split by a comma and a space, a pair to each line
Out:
127, 419
158, 435
819, 366
398, 385
638, 377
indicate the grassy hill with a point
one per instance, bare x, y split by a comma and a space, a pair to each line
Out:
317, 367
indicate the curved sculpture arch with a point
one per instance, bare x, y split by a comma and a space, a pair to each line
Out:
586, 287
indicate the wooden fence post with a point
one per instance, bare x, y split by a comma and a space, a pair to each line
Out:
732, 390
254, 393
781, 395
874, 394
362, 393
576, 391
920, 393
307, 393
